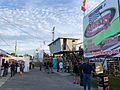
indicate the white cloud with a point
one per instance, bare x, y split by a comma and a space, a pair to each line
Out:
36, 18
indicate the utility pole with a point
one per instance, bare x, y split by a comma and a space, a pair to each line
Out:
15, 47
53, 30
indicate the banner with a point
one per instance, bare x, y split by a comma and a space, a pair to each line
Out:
102, 30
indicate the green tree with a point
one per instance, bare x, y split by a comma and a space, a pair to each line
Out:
13, 54
28, 56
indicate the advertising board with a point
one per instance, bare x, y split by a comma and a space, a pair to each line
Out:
102, 30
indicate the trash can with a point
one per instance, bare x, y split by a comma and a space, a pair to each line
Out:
103, 81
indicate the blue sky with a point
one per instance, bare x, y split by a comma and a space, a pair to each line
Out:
30, 22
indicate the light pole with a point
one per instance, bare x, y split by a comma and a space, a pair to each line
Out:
53, 30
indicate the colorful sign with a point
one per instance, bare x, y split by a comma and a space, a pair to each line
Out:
102, 30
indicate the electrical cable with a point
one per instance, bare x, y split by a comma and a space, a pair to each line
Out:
19, 28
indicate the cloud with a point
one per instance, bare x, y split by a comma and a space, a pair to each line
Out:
32, 20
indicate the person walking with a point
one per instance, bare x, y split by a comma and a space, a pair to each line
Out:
87, 69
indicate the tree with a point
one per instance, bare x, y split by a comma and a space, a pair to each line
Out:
28, 56
13, 54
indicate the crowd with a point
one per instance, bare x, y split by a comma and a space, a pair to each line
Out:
48, 67
12, 67
82, 71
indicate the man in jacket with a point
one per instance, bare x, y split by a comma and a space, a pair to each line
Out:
87, 69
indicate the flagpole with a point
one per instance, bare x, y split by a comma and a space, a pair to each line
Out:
119, 8
84, 14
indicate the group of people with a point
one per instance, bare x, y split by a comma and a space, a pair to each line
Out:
48, 66
83, 72
13, 68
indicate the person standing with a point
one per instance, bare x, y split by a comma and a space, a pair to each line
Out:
51, 66
6, 66
30, 65
16, 67
76, 72
81, 73
61, 66
22, 66
48, 67
12, 68
68, 67
40, 66
33, 65
58, 66
2, 70
87, 69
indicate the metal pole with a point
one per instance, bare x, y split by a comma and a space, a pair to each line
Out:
119, 8
119, 63
53, 39
15, 47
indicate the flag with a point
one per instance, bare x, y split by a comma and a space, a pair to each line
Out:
83, 8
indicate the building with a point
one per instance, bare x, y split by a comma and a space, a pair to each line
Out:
62, 44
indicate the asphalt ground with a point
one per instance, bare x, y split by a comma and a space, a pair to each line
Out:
40, 80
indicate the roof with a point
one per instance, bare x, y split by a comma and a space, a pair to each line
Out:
63, 38
63, 52
3, 53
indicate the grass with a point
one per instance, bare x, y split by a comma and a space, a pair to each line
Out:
114, 83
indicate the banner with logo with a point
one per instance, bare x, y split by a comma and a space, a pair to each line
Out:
102, 30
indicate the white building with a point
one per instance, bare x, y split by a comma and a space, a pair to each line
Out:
63, 44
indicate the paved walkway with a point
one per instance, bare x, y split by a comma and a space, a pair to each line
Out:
37, 80
3, 80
